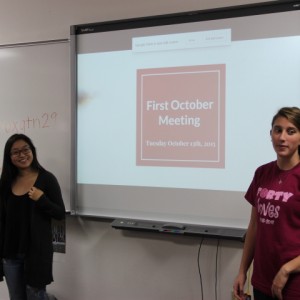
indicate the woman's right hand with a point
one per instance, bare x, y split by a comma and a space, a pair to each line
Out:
238, 287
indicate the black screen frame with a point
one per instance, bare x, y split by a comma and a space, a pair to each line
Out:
269, 7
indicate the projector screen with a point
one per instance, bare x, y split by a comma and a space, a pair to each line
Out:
173, 112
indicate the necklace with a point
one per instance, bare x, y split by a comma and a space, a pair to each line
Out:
283, 174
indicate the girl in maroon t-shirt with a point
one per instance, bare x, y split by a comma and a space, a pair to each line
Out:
273, 236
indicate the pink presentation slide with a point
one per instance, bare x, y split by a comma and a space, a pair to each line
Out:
181, 116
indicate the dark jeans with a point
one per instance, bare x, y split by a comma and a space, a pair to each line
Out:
14, 277
261, 296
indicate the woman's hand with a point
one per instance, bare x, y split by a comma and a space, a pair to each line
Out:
238, 287
35, 193
279, 283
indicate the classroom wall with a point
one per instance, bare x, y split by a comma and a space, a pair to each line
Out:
102, 262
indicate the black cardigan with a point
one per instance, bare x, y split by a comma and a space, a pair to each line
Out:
38, 261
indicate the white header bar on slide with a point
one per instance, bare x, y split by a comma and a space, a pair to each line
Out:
211, 38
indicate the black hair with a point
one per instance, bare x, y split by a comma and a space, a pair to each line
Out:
9, 170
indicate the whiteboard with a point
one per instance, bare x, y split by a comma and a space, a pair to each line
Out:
35, 100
